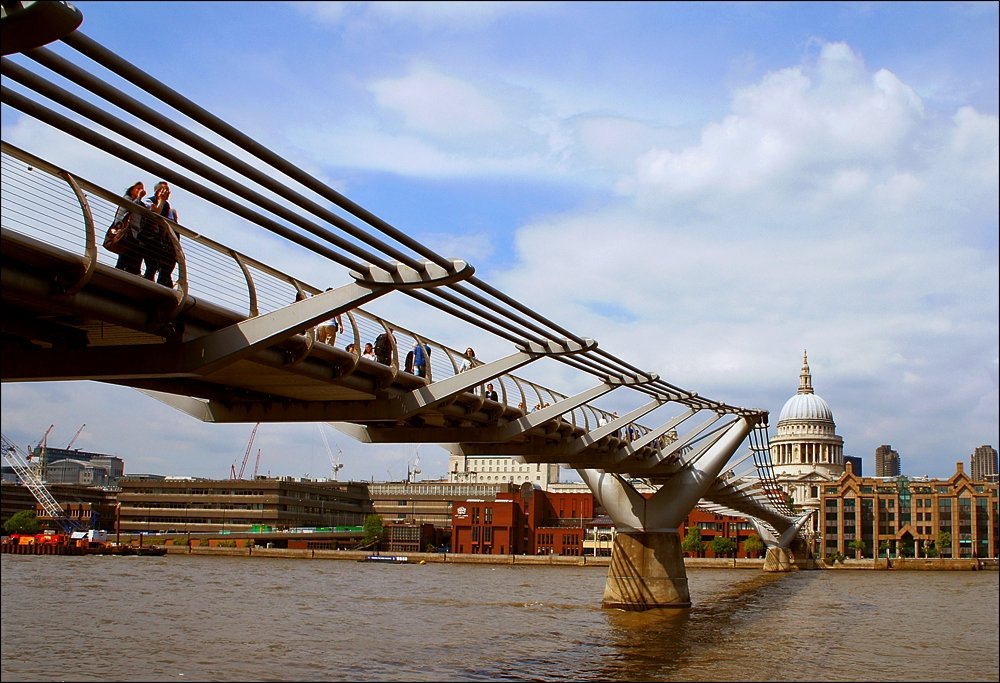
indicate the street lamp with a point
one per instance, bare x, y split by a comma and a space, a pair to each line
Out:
736, 541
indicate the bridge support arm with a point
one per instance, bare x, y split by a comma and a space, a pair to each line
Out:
438, 392
647, 565
779, 556
231, 344
602, 431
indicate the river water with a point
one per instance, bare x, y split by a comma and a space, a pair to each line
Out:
183, 617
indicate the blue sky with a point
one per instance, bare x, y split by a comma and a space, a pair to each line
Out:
707, 189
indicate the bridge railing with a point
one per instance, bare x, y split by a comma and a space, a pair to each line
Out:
48, 203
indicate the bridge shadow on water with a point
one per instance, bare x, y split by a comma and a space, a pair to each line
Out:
714, 639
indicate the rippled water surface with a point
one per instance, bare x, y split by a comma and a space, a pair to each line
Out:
193, 618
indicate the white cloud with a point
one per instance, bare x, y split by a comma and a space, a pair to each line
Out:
443, 106
795, 124
820, 214
464, 16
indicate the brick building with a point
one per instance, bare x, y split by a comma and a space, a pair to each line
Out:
531, 522
906, 515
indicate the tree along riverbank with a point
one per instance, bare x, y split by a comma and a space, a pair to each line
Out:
585, 560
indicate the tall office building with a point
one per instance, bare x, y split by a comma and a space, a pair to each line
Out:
886, 462
983, 464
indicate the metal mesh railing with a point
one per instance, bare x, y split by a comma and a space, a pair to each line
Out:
39, 203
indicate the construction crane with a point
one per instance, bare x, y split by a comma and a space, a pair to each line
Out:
73, 440
335, 464
34, 483
256, 465
40, 448
246, 456
412, 470
41, 465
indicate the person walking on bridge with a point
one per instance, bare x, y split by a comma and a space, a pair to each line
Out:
421, 358
327, 332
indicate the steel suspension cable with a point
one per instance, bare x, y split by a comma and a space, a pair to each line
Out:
80, 132
127, 103
126, 130
109, 60
129, 72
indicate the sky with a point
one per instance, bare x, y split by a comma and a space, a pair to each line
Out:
706, 189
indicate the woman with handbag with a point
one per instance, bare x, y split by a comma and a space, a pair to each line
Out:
123, 235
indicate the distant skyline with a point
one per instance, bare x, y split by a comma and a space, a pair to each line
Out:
706, 189
869, 468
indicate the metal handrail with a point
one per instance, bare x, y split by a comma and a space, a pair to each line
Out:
244, 263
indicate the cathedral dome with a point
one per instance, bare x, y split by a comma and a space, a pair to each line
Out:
806, 405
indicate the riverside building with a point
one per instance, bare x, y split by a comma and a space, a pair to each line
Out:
910, 516
529, 521
64, 466
180, 505
497, 469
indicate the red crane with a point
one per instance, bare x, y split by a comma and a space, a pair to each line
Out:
73, 440
256, 465
39, 450
246, 456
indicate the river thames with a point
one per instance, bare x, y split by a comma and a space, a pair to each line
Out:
182, 617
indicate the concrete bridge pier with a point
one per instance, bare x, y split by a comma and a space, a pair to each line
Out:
647, 571
780, 556
779, 559
647, 564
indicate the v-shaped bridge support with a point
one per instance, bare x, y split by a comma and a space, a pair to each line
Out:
647, 565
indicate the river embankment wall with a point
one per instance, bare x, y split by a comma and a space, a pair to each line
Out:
936, 564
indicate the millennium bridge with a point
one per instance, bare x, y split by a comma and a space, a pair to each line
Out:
235, 339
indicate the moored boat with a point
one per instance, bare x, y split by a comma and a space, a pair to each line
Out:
387, 559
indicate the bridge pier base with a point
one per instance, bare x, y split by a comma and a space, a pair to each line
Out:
646, 572
780, 559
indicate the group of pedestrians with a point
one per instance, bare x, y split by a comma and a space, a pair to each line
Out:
148, 248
